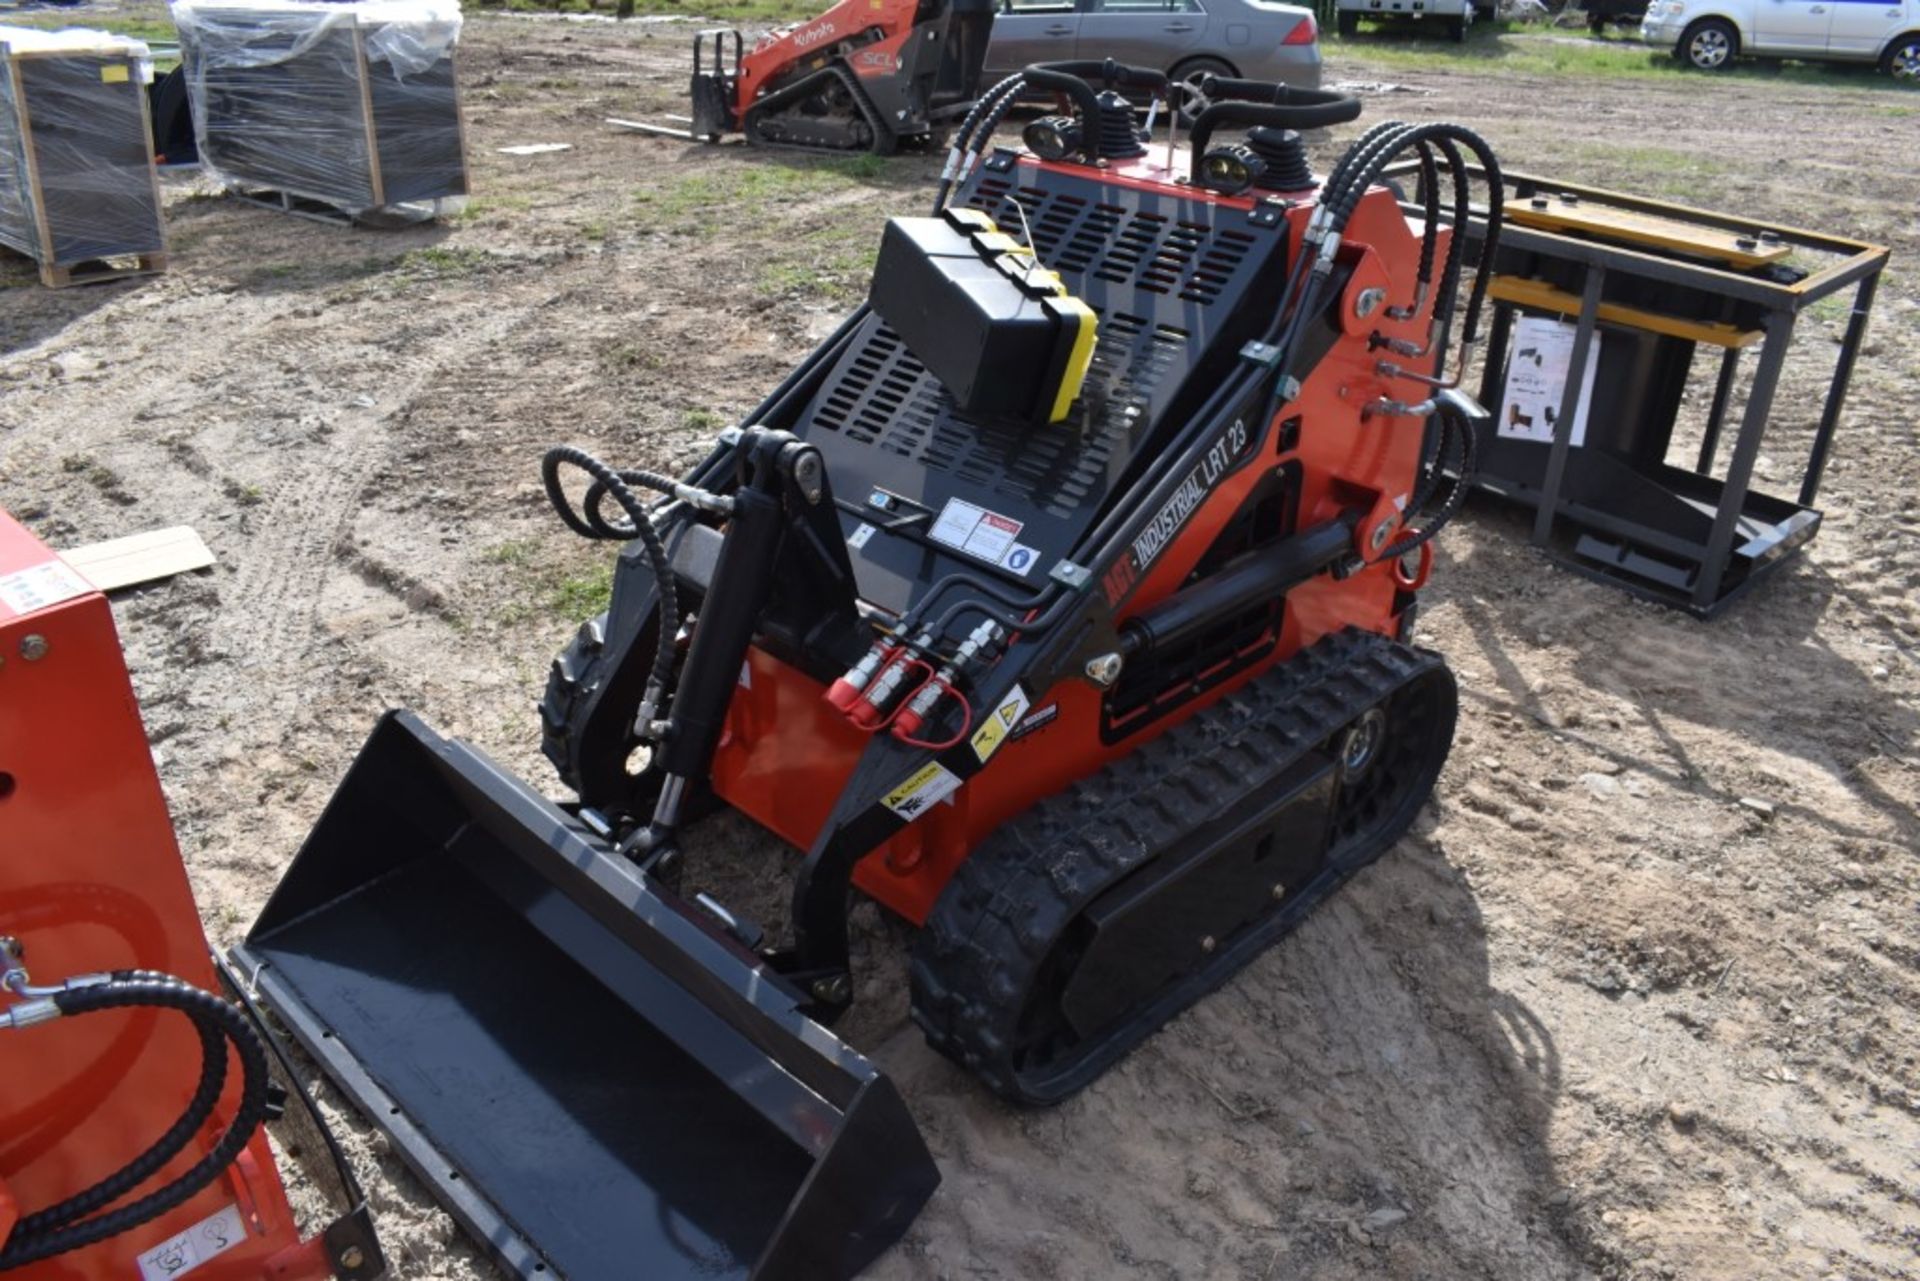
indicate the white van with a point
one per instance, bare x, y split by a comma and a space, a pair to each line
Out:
1710, 34
1452, 16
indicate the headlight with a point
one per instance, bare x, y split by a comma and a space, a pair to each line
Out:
1052, 137
1674, 8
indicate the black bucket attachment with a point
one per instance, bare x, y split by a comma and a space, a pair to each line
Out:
594, 1078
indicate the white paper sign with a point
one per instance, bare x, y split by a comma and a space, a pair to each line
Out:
42, 586
1542, 355
181, 1254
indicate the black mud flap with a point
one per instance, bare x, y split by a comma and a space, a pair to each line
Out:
596, 1081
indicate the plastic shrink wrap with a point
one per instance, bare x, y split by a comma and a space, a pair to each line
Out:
77, 182
352, 105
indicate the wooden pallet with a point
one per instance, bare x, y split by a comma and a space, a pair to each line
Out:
299, 206
102, 270
333, 215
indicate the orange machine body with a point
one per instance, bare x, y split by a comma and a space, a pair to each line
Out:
91, 880
870, 34
786, 755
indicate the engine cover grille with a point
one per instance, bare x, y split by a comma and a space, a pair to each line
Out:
1178, 285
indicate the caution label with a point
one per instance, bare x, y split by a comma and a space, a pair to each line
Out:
986, 535
999, 725
928, 785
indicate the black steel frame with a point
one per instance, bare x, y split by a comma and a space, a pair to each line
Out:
1858, 265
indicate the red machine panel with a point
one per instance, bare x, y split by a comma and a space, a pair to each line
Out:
91, 880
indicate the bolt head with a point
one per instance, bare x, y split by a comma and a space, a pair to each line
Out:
352, 1257
1380, 533
1104, 669
1208, 943
1279, 892
33, 648
1368, 301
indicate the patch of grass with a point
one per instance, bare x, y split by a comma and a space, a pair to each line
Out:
703, 420
578, 597
1517, 48
152, 30
516, 552
242, 494
749, 191
442, 262
595, 231
478, 208
834, 263
622, 357
1656, 171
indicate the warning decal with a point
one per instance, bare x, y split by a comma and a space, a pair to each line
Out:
41, 586
986, 535
987, 739
928, 785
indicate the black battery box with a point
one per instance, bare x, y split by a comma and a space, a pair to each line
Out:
995, 326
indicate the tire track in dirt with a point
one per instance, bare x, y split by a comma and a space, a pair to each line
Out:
270, 626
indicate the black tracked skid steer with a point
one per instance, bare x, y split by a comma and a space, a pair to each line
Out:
1060, 601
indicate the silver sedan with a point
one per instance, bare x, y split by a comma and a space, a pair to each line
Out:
1188, 39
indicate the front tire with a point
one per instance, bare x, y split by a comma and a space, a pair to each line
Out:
1457, 29
1708, 45
1902, 59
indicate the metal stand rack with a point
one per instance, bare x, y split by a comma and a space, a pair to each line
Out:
1644, 286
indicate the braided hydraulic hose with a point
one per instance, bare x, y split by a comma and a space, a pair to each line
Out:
1366, 174
140, 990
213, 1079
616, 484
991, 105
1469, 464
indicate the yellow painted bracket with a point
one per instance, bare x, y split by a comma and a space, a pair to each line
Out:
1538, 295
1634, 226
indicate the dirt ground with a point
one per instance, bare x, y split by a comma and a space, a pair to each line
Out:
1636, 999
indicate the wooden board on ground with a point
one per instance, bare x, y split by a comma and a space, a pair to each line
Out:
139, 558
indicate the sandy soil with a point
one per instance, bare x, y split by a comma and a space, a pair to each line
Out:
1600, 1016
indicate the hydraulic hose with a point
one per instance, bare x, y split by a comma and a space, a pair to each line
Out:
993, 104
215, 1017
213, 1079
616, 484
1469, 464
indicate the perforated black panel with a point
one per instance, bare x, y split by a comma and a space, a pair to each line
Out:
1178, 285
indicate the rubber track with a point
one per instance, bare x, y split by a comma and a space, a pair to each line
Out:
996, 921
885, 141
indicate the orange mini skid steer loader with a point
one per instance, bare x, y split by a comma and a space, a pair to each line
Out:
1060, 601
866, 75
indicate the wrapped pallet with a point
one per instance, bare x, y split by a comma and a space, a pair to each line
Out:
78, 193
352, 106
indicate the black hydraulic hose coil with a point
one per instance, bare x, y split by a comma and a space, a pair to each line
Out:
206, 1093
616, 483
140, 990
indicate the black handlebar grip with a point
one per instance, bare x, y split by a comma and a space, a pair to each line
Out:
1277, 106
1109, 72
